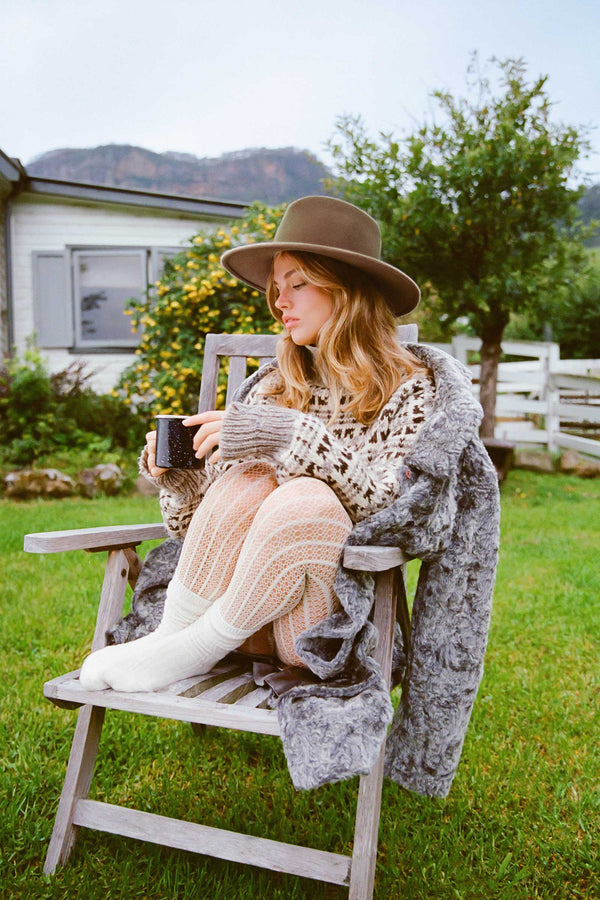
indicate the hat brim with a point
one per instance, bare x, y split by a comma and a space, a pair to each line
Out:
251, 264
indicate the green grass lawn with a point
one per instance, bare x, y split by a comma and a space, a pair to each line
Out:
521, 821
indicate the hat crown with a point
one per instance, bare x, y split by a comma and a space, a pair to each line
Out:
330, 223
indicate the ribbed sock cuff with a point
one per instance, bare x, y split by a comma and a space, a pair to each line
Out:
182, 607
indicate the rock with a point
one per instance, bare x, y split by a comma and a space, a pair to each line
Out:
569, 460
587, 468
534, 460
38, 483
574, 464
105, 478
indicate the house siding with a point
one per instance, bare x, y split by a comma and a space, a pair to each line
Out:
44, 224
4, 336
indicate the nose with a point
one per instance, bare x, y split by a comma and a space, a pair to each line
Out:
283, 299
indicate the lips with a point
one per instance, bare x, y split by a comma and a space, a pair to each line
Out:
289, 322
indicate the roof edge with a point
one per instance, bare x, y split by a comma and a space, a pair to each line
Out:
11, 169
131, 197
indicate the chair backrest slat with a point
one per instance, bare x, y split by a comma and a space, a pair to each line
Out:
239, 347
237, 374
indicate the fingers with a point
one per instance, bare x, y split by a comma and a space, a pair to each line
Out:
207, 436
211, 415
153, 469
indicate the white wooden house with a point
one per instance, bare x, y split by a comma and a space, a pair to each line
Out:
72, 255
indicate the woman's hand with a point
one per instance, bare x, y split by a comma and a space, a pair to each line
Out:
208, 434
153, 469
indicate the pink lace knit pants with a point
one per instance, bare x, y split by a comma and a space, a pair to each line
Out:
265, 553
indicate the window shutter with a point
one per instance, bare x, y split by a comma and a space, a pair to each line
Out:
52, 309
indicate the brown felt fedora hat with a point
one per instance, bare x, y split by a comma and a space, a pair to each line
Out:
329, 227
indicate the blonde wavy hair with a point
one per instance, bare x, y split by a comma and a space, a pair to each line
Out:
357, 348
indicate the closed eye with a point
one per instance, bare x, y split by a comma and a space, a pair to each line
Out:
298, 286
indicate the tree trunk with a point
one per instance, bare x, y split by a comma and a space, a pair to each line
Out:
490, 357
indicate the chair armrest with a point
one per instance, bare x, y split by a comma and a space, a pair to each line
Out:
93, 538
374, 559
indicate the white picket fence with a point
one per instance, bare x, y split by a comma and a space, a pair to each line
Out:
542, 398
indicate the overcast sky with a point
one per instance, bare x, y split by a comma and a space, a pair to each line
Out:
212, 77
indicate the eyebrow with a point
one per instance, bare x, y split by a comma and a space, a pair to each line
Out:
287, 275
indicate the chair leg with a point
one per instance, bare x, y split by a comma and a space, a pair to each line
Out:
120, 564
366, 831
76, 785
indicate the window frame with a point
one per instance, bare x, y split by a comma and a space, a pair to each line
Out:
152, 270
118, 344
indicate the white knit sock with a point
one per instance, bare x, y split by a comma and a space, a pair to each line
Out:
182, 607
145, 665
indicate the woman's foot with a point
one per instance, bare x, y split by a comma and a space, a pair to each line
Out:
148, 665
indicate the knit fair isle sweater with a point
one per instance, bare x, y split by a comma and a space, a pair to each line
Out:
359, 462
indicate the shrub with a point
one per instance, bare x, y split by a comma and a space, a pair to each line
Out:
195, 296
43, 415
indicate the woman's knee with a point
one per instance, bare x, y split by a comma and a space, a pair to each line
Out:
306, 497
248, 470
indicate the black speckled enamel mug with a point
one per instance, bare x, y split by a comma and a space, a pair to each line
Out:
174, 447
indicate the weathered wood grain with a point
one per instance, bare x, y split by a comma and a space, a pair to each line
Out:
374, 559
217, 842
102, 538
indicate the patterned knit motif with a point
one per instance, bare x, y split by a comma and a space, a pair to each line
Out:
359, 462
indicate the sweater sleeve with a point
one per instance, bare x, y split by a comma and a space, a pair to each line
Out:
180, 493
363, 474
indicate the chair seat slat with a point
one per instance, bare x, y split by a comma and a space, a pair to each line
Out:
210, 685
164, 704
238, 693
257, 696
224, 687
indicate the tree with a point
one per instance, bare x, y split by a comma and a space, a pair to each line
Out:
589, 209
570, 316
194, 296
477, 206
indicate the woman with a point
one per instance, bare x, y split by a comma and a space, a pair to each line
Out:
314, 447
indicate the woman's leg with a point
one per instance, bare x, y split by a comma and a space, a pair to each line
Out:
213, 543
284, 574
287, 570
208, 558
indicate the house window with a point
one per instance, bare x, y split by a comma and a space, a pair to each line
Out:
104, 283
80, 295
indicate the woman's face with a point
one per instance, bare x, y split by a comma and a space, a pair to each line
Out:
304, 307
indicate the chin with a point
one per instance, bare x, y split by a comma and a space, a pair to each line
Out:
302, 341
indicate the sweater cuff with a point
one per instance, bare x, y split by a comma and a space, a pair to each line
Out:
177, 481
264, 430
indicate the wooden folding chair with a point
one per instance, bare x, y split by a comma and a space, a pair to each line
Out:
226, 697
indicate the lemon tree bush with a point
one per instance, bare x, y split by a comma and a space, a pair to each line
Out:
194, 296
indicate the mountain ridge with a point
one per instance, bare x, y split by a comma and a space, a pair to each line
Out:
272, 176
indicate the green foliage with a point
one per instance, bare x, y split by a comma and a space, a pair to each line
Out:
589, 209
477, 206
43, 416
194, 297
520, 822
569, 315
